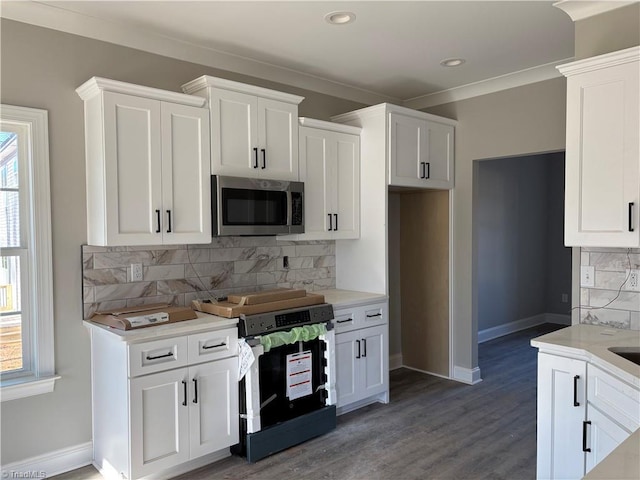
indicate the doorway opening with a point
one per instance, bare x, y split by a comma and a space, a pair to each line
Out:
522, 270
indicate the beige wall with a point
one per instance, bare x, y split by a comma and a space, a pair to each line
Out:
608, 32
519, 121
41, 68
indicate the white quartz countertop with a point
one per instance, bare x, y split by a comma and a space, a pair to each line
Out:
350, 298
592, 342
204, 322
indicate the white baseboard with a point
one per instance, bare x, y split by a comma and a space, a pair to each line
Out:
466, 375
558, 318
511, 327
52, 463
427, 372
395, 361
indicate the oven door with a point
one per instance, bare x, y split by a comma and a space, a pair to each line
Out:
276, 383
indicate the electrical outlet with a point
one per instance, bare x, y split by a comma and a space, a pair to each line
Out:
136, 272
633, 280
565, 297
587, 276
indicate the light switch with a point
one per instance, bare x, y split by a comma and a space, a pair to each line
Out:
587, 276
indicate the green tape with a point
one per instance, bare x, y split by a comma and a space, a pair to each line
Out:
296, 334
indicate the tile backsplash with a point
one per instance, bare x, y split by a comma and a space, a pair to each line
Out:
610, 302
178, 274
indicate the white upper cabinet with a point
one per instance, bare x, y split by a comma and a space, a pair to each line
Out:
602, 157
420, 152
254, 131
330, 170
147, 161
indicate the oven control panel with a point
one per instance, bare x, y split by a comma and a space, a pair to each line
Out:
262, 323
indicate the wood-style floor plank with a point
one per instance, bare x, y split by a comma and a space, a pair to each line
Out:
432, 429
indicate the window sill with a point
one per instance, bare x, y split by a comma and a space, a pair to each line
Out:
27, 387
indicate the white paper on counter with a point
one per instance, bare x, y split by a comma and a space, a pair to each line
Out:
246, 358
299, 375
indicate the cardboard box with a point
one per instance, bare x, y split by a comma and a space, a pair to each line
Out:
230, 310
266, 296
120, 318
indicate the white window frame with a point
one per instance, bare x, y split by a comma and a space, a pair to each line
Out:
37, 299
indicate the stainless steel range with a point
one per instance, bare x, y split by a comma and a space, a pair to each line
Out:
288, 394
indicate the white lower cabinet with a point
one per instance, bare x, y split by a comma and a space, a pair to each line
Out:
362, 352
584, 413
155, 409
561, 413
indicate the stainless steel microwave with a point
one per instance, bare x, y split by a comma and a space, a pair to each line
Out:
254, 206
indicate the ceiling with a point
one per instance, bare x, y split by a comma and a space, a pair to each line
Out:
392, 51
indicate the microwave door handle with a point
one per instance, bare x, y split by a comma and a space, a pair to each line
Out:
289, 209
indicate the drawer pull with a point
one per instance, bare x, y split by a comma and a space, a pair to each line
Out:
584, 435
374, 315
195, 390
345, 321
205, 347
184, 384
170, 354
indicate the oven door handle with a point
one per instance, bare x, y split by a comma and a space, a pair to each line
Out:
358, 355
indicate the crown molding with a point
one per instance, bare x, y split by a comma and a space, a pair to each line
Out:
581, 9
491, 85
56, 18
607, 60
331, 126
206, 81
96, 85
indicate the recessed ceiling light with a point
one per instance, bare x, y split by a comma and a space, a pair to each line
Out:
340, 18
452, 62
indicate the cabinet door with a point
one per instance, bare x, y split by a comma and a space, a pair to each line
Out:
159, 422
133, 183
330, 168
439, 166
186, 174
407, 150
603, 436
375, 370
602, 166
314, 160
234, 134
348, 356
560, 420
214, 406
346, 186
277, 139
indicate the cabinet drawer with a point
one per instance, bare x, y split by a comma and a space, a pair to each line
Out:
348, 319
618, 399
156, 356
208, 346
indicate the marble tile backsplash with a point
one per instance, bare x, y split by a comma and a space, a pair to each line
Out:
178, 274
610, 301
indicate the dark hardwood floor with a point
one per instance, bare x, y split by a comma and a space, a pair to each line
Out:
432, 429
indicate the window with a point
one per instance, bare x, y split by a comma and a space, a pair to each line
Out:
26, 293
